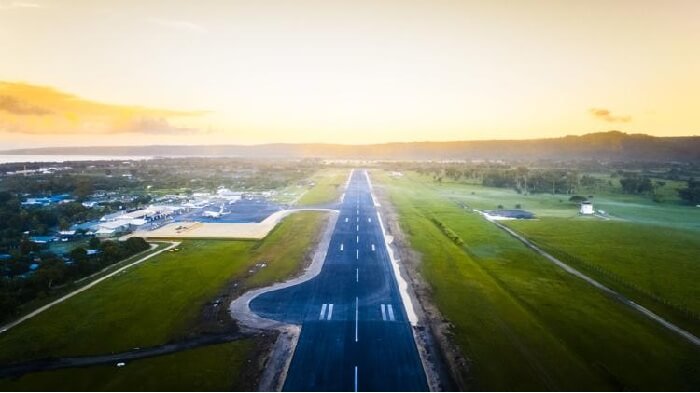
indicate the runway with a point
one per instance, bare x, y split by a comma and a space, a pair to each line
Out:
355, 334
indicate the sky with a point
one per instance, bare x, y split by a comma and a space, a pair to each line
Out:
92, 72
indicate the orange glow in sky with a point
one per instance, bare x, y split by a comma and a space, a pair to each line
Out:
88, 72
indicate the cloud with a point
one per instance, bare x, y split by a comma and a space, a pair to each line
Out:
606, 115
16, 107
181, 25
150, 125
31, 109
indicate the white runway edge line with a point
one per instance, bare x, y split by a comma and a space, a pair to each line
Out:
403, 285
86, 287
643, 310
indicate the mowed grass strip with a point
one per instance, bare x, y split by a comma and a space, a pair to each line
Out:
328, 186
159, 300
635, 259
524, 323
212, 368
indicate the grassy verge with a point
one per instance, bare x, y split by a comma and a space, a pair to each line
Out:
655, 266
328, 186
201, 369
524, 323
161, 299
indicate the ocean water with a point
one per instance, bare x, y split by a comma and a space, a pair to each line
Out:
11, 158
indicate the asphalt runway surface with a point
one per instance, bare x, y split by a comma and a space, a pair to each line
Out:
355, 334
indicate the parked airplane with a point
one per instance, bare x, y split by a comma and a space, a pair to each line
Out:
215, 214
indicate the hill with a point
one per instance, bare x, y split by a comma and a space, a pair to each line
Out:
612, 146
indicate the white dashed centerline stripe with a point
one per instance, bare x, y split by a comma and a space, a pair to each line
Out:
357, 228
357, 239
357, 315
357, 274
372, 247
355, 378
369, 219
357, 254
341, 247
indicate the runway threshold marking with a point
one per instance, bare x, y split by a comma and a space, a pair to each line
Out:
387, 312
357, 315
323, 315
390, 309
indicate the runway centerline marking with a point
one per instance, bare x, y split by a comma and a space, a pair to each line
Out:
346, 219
372, 247
369, 219
341, 247
355, 378
357, 254
358, 239
357, 228
357, 315
357, 274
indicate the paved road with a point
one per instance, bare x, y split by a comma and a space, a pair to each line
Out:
355, 334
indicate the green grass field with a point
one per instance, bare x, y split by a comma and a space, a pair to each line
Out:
161, 299
328, 186
203, 369
632, 208
524, 323
655, 266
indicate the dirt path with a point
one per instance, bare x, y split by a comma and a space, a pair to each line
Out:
614, 294
62, 299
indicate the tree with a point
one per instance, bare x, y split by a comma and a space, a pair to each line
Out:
94, 243
577, 198
691, 193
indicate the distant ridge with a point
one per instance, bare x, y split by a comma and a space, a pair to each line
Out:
610, 146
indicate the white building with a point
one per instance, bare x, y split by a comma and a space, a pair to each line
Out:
586, 208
